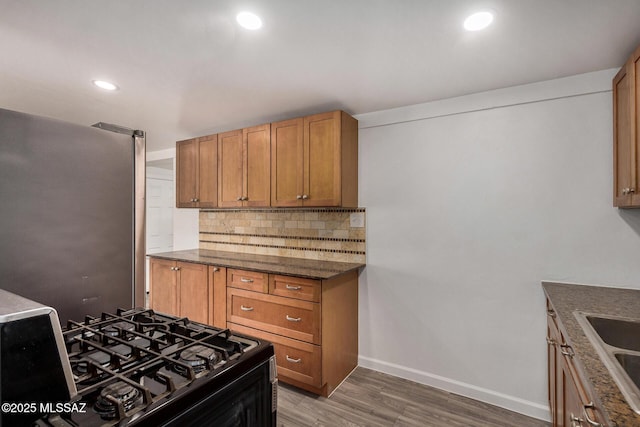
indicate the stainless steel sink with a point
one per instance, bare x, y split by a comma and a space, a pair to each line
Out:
617, 342
631, 365
617, 332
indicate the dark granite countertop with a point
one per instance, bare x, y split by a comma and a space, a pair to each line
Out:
567, 298
311, 269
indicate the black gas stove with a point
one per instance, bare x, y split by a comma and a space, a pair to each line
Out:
142, 368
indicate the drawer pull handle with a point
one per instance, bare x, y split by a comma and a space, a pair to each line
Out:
575, 421
243, 280
567, 350
243, 308
289, 359
293, 319
589, 421
293, 288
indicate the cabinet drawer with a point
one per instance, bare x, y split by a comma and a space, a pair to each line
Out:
295, 287
249, 280
297, 360
283, 316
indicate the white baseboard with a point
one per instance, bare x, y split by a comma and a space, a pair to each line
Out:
511, 403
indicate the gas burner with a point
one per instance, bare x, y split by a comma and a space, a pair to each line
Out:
140, 342
114, 329
97, 357
113, 395
198, 357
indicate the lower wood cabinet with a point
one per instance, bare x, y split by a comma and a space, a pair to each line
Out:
312, 324
571, 400
186, 289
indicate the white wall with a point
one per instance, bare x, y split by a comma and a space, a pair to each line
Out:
471, 202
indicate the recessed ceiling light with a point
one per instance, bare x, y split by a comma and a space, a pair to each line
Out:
249, 20
105, 85
478, 21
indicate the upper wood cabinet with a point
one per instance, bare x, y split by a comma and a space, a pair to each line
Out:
244, 167
308, 161
314, 161
626, 138
197, 177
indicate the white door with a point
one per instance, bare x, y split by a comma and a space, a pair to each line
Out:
160, 204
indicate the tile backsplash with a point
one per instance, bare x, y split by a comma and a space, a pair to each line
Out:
309, 233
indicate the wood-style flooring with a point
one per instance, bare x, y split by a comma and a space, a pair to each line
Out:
369, 398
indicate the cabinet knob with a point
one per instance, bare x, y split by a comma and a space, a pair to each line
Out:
239, 199
244, 199
196, 200
631, 190
298, 197
305, 197
625, 190
216, 269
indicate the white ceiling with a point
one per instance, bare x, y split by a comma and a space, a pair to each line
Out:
186, 69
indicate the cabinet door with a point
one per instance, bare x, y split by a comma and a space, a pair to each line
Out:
208, 171
287, 163
193, 291
571, 401
322, 173
164, 286
257, 165
622, 136
552, 357
635, 146
218, 297
626, 137
230, 163
186, 173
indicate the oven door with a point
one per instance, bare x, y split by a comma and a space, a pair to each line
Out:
248, 401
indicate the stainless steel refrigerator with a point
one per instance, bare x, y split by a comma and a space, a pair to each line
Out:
72, 214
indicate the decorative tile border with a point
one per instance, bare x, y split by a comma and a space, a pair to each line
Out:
323, 239
310, 233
